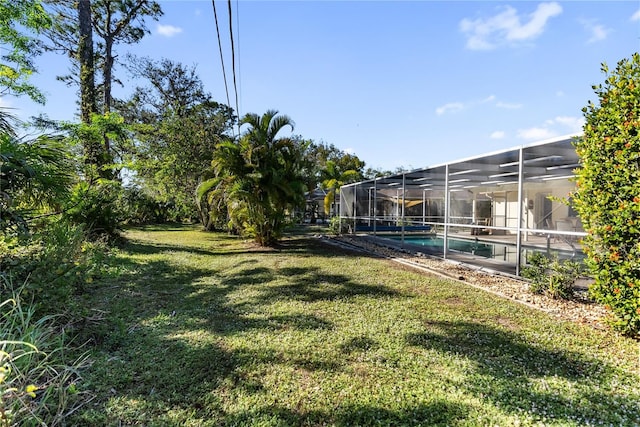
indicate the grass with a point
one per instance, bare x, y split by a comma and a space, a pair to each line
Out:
204, 329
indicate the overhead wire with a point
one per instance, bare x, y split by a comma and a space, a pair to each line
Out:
224, 73
238, 44
233, 58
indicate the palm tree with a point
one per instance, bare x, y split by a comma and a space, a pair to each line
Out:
332, 179
258, 177
35, 177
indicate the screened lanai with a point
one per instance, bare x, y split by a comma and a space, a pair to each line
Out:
492, 210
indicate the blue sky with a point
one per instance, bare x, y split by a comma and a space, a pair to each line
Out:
409, 84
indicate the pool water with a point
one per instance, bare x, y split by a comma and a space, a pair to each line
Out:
486, 250
503, 252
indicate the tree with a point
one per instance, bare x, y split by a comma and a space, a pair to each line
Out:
113, 22
318, 154
119, 21
372, 173
260, 176
607, 197
336, 174
85, 59
35, 177
177, 128
17, 63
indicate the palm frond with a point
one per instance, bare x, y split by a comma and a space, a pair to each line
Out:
7, 122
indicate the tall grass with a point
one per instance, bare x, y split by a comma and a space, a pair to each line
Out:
37, 376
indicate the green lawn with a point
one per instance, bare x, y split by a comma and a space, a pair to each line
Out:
206, 329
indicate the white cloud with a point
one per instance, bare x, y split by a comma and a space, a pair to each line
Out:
349, 150
168, 30
499, 134
452, 107
560, 125
508, 106
506, 27
572, 124
596, 31
535, 133
636, 16
455, 107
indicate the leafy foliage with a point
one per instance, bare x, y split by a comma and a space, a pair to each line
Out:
119, 21
19, 48
52, 266
551, 276
608, 193
258, 179
112, 22
339, 225
138, 207
95, 205
321, 162
37, 376
336, 175
101, 160
35, 176
177, 126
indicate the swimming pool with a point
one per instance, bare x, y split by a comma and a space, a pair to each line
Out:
434, 245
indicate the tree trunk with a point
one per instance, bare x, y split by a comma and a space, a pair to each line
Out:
107, 73
85, 56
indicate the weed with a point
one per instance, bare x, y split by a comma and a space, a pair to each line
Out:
551, 276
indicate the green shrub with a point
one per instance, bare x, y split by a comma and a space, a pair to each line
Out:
138, 207
607, 195
37, 377
54, 266
337, 226
96, 207
551, 276
35, 177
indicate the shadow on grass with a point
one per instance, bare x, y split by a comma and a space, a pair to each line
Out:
438, 413
164, 347
517, 377
220, 246
154, 311
141, 248
308, 284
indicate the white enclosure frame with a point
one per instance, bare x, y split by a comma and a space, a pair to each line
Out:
504, 204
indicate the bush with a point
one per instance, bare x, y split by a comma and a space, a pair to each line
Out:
607, 196
336, 226
54, 266
37, 377
138, 207
95, 206
550, 276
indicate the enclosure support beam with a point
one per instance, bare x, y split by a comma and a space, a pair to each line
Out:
402, 218
424, 207
447, 199
355, 206
519, 214
375, 203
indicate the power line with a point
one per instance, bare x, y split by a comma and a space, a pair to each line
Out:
224, 73
239, 57
233, 57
